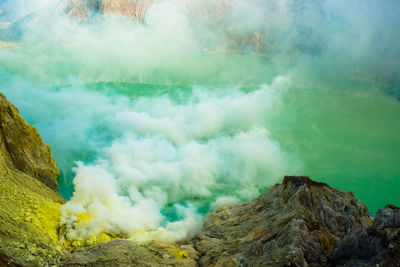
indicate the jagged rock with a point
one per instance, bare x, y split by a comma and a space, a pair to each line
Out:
23, 148
378, 245
127, 253
388, 216
296, 223
29, 208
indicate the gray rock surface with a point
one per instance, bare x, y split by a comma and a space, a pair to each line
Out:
296, 223
378, 245
388, 216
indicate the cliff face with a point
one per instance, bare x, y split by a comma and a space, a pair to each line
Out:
28, 203
296, 223
84, 10
22, 147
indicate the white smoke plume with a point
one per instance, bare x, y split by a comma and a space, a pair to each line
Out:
180, 155
152, 163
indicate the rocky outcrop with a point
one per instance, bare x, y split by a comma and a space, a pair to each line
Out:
129, 8
29, 206
127, 253
22, 148
378, 245
85, 10
296, 223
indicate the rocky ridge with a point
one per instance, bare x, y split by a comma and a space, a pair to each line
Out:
296, 223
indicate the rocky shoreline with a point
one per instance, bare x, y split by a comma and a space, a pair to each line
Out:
297, 223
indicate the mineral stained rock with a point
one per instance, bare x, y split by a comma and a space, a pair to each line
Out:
296, 223
378, 245
29, 207
126, 253
22, 148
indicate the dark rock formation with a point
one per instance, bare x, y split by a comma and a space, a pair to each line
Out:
378, 245
388, 216
296, 223
23, 148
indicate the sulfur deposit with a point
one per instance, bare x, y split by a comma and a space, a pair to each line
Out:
29, 204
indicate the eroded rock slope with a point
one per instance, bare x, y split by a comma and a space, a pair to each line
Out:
29, 204
22, 148
296, 223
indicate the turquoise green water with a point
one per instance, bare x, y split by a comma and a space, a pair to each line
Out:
156, 147
342, 133
156, 124
347, 137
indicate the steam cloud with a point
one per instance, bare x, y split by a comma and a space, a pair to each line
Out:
220, 127
174, 154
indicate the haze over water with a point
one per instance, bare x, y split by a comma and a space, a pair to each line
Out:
154, 125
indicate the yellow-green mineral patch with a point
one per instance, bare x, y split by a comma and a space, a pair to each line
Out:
29, 215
